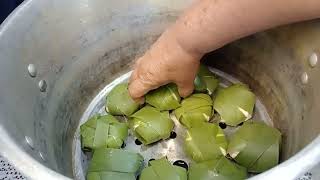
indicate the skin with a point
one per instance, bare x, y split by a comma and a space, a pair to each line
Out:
206, 26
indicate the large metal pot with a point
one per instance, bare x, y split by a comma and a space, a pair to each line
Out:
56, 55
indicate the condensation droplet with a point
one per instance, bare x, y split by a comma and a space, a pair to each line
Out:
32, 70
313, 59
304, 78
42, 85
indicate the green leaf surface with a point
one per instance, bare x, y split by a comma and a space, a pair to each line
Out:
150, 125
217, 169
164, 98
255, 146
103, 131
105, 175
234, 104
205, 80
194, 110
115, 160
205, 142
162, 170
119, 102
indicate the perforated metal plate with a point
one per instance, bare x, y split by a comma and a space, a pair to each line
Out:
8, 172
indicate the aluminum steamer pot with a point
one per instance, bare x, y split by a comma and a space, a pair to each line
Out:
56, 55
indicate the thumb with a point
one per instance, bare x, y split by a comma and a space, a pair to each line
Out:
185, 88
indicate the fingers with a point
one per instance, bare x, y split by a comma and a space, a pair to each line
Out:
137, 89
185, 88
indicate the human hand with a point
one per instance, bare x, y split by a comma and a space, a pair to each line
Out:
167, 61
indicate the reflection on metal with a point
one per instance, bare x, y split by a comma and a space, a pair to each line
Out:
29, 141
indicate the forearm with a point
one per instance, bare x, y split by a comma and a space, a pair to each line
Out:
210, 24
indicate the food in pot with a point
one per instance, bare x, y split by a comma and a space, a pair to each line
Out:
219, 168
119, 101
114, 164
255, 146
234, 104
205, 142
103, 131
150, 125
164, 98
205, 81
194, 110
162, 170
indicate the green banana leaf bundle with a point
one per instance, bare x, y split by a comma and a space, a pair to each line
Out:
234, 104
114, 164
219, 168
162, 170
150, 125
205, 142
205, 81
164, 98
194, 110
255, 146
103, 131
119, 102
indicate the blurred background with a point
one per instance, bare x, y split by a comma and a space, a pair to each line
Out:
6, 7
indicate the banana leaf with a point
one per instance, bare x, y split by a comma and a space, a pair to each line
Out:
119, 102
217, 169
150, 125
194, 110
115, 160
205, 142
205, 81
162, 170
234, 104
103, 131
255, 146
164, 98
110, 176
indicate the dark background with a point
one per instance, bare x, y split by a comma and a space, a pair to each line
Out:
6, 7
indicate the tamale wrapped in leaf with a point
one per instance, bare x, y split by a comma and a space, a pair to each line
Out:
115, 160
162, 170
150, 125
205, 142
205, 81
234, 104
119, 102
194, 110
103, 131
255, 146
164, 98
219, 168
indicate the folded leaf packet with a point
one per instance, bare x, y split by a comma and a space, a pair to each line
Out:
119, 102
205, 142
219, 168
114, 164
164, 98
150, 125
205, 81
162, 170
103, 131
234, 104
255, 146
194, 110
